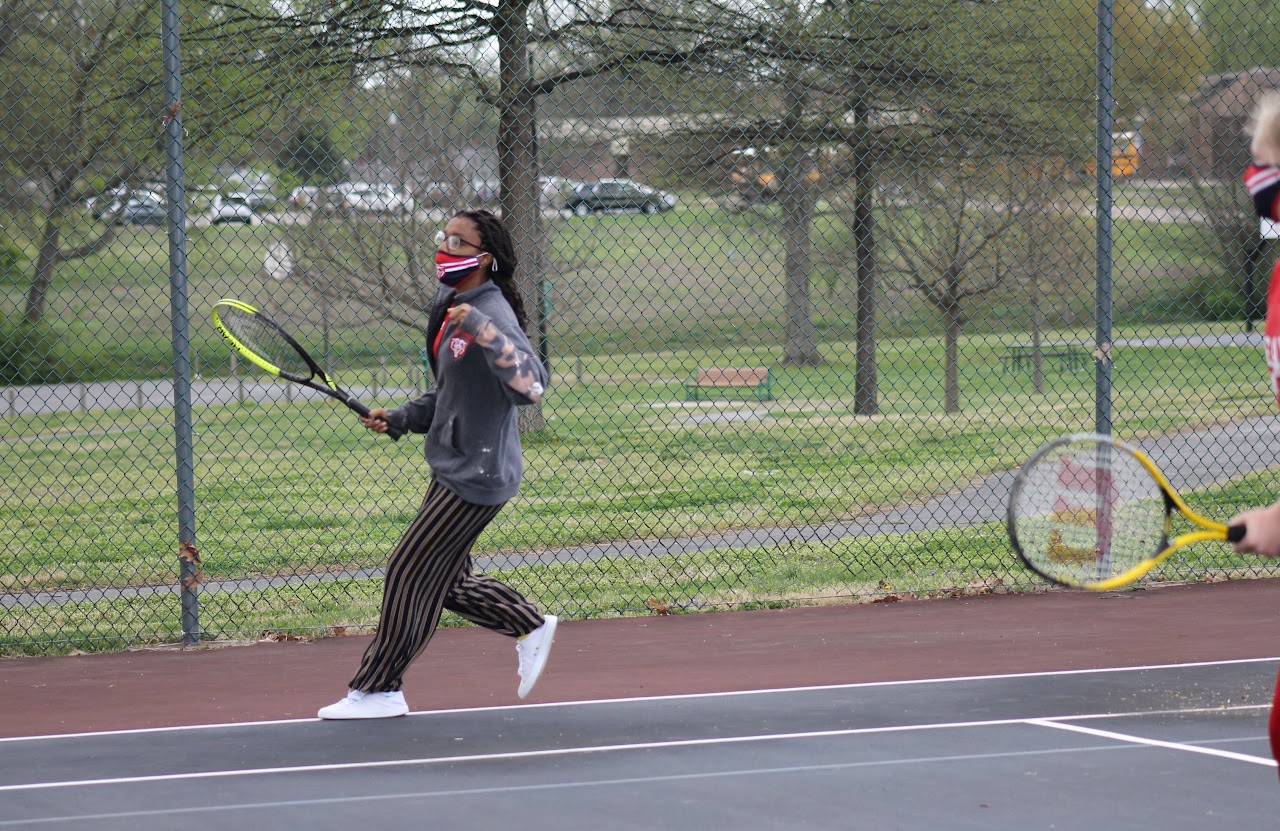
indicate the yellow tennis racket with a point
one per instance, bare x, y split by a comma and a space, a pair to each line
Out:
1089, 512
269, 347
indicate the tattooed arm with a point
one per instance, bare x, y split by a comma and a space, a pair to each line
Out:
510, 354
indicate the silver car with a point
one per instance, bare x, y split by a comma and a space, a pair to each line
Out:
618, 195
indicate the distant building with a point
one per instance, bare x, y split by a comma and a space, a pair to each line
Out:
1216, 145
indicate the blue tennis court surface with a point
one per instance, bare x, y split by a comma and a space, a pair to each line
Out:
1168, 747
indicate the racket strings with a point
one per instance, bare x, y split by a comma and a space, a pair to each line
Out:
266, 341
1087, 512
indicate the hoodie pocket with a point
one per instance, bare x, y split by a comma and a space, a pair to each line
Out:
448, 434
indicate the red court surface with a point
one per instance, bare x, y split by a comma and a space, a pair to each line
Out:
649, 656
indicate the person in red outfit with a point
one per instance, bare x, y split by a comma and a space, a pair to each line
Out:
1262, 178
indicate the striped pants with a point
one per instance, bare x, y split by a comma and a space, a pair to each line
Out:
430, 570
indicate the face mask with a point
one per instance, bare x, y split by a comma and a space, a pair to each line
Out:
452, 269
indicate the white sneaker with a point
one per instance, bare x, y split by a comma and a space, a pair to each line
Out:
534, 649
366, 705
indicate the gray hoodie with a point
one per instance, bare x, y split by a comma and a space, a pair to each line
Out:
483, 370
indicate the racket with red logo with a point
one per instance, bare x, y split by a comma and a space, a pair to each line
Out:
1089, 512
270, 348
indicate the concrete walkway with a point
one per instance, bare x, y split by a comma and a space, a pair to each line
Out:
123, 395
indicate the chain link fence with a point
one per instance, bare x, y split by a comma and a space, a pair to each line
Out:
811, 281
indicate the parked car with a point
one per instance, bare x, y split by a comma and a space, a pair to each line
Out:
143, 210
106, 202
231, 208
303, 197
618, 195
363, 197
555, 191
113, 201
258, 199
330, 198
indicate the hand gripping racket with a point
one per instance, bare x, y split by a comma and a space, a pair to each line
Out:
1089, 512
263, 343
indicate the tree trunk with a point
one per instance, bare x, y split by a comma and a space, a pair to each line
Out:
796, 202
518, 175
1035, 263
954, 327
801, 344
37, 293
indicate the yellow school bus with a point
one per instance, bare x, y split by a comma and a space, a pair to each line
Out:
1126, 152
1126, 148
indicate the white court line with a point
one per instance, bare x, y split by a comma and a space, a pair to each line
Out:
659, 698
1124, 737
582, 750
506, 789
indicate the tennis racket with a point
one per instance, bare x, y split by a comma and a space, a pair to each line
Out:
1089, 512
264, 344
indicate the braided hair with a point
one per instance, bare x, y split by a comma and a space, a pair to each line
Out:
497, 241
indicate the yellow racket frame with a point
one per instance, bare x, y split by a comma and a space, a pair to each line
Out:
1212, 531
247, 353
328, 387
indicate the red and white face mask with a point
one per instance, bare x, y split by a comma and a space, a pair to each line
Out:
452, 269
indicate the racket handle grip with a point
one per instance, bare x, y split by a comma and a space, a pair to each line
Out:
358, 407
1235, 533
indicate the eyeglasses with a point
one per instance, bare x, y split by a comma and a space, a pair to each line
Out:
452, 242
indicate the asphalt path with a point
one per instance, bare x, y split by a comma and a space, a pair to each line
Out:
122, 395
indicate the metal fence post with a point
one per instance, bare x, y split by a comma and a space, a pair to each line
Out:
1102, 314
188, 571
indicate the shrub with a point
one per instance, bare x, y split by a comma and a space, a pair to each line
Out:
45, 353
27, 352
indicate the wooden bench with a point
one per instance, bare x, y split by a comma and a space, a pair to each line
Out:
757, 379
1067, 356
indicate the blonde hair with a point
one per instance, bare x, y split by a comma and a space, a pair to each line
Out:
1265, 121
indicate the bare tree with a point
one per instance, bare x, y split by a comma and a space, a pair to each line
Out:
82, 111
947, 242
841, 76
91, 128
577, 40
